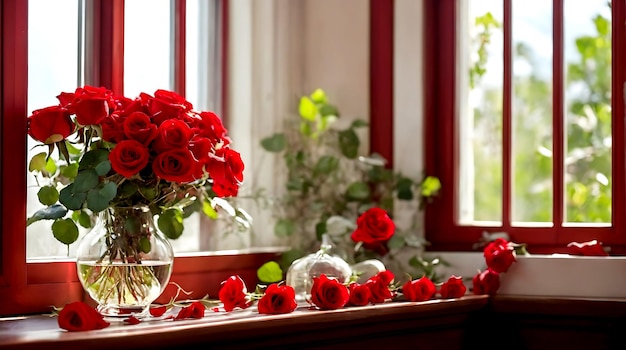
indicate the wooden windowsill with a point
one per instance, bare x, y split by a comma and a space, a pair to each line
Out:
445, 324
246, 328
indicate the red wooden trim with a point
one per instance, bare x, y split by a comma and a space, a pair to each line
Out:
224, 57
381, 78
439, 101
111, 37
14, 73
507, 115
180, 46
618, 73
558, 121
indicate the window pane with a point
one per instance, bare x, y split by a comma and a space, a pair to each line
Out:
147, 53
52, 69
481, 91
532, 111
587, 92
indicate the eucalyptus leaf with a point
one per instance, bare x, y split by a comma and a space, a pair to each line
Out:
170, 222
396, 242
100, 198
92, 158
349, 143
37, 162
307, 109
71, 200
284, 228
270, 272
103, 168
51, 166
65, 231
358, 191
70, 171
208, 210
326, 165
82, 217
328, 110
86, 180
52, 212
144, 245
274, 143
48, 195
319, 96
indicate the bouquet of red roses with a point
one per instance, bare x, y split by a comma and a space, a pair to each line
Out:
153, 150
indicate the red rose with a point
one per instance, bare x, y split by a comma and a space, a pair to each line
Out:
50, 125
419, 290
79, 316
379, 286
233, 294
360, 294
137, 126
193, 310
209, 125
226, 170
129, 157
590, 248
499, 255
172, 133
91, 104
453, 288
278, 300
486, 282
111, 130
176, 165
167, 105
328, 293
157, 311
201, 148
374, 226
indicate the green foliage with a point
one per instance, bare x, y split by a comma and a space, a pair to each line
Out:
326, 178
270, 272
588, 116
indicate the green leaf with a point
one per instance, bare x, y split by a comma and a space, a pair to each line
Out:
71, 200
327, 110
92, 158
48, 195
405, 189
85, 180
170, 222
82, 218
70, 171
103, 168
358, 191
307, 109
99, 198
602, 25
284, 228
208, 210
359, 123
274, 143
326, 165
430, 186
144, 245
306, 129
127, 189
318, 96
270, 272
395, 242
349, 143
52, 212
37, 162
51, 166
149, 193
65, 231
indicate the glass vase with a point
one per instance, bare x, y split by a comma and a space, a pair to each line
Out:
124, 263
302, 271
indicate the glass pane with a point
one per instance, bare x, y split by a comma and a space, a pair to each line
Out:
147, 54
532, 189
480, 114
587, 92
52, 69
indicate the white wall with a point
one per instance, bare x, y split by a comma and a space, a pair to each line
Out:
283, 49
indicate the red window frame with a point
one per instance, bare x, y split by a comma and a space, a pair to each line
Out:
441, 158
27, 288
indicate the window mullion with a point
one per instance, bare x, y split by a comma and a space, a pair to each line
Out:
507, 128
558, 120
178, 45
618, 102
